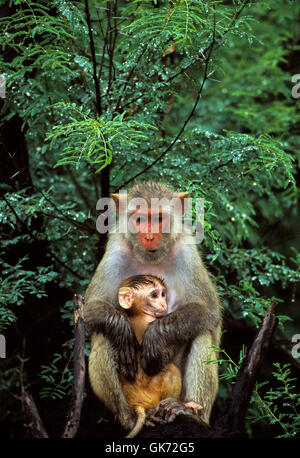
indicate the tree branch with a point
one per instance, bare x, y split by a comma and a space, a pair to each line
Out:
35, 422
207, 60
79, 370
92, 46
73, 417
201, 56
36, 240
233, 421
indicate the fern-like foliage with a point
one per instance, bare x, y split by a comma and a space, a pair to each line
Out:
86, 138
280, 405
57, 380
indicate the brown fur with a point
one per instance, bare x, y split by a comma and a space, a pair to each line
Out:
146, 392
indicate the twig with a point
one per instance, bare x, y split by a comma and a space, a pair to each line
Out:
64, 217
110, 47
73, 417
92, 46
233, 421
78, 187
36, 240
131, 73
187, 119
35, 422
168, 111
105, 176
201, 56
79, 370
104, 46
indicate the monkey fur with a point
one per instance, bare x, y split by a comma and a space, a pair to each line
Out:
146, 391
184, 335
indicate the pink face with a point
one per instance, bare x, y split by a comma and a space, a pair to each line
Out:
149, 225
156, 304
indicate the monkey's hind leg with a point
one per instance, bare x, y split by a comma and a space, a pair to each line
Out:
105, 381
170, 406
200, 383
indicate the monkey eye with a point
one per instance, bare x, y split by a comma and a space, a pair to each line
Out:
154, 294
163, 293
158, 218
139, 220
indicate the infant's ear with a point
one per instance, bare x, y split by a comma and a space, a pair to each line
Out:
126, 297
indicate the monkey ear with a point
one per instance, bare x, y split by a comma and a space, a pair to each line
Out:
116, 199
125, 297
119, 199
181, 196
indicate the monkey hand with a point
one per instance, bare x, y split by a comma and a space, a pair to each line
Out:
116, 327
155, 353
127, 349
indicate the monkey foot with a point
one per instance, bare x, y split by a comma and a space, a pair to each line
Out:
196, 408
168, 409
152, 419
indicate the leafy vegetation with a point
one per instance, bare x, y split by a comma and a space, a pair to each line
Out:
196, 94
266, 407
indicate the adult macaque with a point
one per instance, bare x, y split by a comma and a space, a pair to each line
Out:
144, 298
184, 335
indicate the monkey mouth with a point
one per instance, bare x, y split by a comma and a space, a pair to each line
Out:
151, 251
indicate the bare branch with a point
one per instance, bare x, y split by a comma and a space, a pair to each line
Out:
73, 417
79, 370
35, 422
233, 421
93, 53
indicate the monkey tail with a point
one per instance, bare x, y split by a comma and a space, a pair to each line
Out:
141, 417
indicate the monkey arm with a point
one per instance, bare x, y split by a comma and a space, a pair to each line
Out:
166, 335
116, 327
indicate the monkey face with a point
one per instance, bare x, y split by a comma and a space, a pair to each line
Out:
143, 295
150, 234
156, 304
152, 211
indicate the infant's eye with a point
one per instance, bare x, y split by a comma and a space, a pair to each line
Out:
154, 294
163, 293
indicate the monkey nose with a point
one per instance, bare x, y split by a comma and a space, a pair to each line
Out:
149, 237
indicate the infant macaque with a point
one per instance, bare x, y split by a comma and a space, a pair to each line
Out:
144, 298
